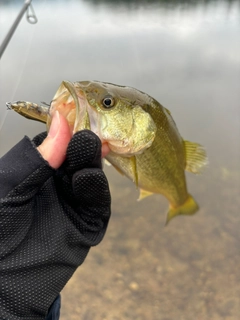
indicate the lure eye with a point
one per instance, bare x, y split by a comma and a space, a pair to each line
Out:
108, 102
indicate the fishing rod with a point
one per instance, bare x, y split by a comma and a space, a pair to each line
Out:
31, 18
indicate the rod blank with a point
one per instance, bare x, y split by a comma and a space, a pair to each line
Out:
14, 27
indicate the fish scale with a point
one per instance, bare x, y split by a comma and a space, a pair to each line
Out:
145, 144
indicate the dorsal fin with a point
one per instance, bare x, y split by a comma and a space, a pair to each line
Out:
196, 158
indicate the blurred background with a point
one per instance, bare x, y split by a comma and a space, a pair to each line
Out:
186, 54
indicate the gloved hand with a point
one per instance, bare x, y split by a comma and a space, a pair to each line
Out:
49, 219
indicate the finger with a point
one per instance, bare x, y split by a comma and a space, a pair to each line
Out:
37, 140
91, 188
84, 151
54, 147
105, 149
92, 203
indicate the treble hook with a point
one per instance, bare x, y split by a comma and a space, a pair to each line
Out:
31, 16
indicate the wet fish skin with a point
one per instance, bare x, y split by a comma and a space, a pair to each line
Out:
143, 137
159, 168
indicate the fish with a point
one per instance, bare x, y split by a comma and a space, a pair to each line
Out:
145, 144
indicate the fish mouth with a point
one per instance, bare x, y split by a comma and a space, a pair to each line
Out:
71, 102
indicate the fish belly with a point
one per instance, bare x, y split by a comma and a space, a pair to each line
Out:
154, 174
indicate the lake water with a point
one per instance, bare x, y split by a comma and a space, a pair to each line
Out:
186, 54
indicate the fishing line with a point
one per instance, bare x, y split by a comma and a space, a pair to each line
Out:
28, 16
19, 78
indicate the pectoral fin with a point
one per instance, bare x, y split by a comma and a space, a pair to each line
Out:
196, 158
133, 163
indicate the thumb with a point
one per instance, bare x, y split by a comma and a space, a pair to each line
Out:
54, 147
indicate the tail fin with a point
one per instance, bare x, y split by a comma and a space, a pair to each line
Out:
189, 207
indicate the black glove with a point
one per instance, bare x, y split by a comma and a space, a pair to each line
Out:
49, 219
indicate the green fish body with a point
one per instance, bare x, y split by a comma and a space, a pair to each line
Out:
143, 138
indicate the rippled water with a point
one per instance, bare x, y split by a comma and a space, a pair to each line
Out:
187, 55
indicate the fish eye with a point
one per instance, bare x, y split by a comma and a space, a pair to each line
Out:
108, 102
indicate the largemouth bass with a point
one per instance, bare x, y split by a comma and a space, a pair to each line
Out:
143, 138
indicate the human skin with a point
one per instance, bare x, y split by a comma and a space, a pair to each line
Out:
53, 149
